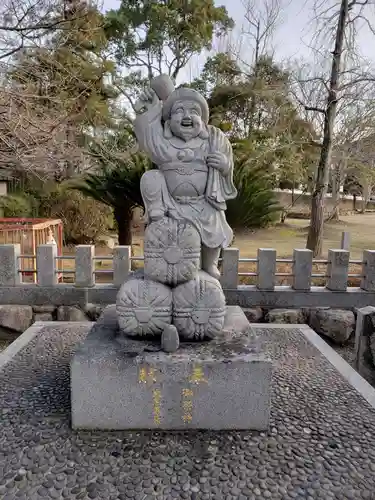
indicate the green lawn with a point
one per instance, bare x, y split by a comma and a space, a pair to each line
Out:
285, 237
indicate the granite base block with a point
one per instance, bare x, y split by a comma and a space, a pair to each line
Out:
122, 383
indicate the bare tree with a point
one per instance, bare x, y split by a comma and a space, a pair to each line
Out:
252, 46
33, 138
337, 26
315, 235
361, 157
256, 34
308, 89
45, 87
25, 24
352, 150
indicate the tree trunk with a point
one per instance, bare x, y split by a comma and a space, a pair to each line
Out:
354, 201
366, 193
336, 178
253, 105
124, 220
315, 236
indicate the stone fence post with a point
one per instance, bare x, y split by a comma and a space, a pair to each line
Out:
337, 270
302, 269
266, 268
121, 264
85, 266
345, 240
46, 265
368, 271
230, 263
9, 265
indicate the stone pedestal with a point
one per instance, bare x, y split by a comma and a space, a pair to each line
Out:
123, 383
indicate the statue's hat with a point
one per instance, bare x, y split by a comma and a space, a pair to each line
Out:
185, 94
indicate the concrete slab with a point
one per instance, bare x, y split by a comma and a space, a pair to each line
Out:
320, 442
132, 384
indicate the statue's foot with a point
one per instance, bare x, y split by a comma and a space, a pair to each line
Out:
170, 340
210, 259
213, 271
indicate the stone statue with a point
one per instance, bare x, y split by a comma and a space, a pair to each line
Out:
179, 295
195, 165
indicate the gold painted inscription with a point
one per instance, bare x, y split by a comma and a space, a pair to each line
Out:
187, 401
156, 398
147, 375
197, 376
187, 405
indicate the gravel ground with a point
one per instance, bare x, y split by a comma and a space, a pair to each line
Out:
321, 442
4, 344
347, 353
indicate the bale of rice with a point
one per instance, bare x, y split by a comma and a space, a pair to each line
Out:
199, 308
144, 307
172, 251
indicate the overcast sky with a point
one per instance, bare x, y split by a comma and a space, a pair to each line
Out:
292, 39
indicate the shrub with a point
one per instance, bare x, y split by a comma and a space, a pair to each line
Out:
85, 220
255, 205
117, 184
16, 206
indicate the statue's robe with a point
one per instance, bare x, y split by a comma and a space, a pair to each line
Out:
206, 212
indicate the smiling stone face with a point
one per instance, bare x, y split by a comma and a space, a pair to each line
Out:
186, 119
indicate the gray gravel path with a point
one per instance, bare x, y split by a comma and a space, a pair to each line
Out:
321, 443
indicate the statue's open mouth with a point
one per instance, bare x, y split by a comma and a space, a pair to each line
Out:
186, 122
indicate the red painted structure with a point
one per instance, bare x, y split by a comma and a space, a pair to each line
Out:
29, 233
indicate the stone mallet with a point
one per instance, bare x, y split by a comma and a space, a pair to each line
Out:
162, 85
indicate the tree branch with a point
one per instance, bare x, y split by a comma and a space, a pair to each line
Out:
314, 108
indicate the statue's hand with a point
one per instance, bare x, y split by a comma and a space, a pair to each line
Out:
147, 99
218, 161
